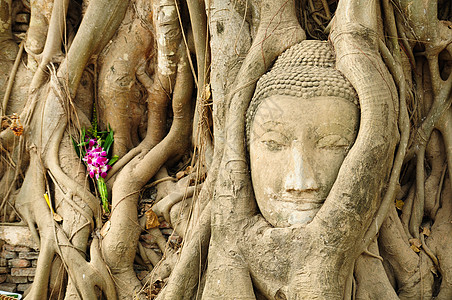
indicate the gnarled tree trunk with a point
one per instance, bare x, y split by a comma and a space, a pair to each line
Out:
174, 80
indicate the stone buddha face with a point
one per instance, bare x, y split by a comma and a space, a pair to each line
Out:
296, 154
301, 122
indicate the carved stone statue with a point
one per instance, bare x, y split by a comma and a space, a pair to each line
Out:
301, 123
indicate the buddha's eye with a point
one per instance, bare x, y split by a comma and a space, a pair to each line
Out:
274, 141
333, 142
273, 145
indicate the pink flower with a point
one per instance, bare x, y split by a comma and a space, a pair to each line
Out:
96, 160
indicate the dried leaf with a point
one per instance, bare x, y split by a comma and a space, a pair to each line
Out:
415, 249
155, 289
416, 242
18, 130
105, 228
426, 231
207, 93
399, 204
46, 197
57, 217
180, 174
152, 221
16, 126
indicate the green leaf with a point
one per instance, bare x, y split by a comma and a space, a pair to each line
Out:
76, 147
83, 144
113, 160
83, 134
108, 140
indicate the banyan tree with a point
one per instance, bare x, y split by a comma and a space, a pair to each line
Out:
247, 149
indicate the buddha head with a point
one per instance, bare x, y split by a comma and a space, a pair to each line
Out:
302, 120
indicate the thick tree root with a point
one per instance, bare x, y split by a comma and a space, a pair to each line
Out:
118, 88
185, 277
371, 278
124, 227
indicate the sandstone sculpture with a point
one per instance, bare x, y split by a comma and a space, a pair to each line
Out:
301, 123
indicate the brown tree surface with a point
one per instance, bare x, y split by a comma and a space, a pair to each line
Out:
177, 82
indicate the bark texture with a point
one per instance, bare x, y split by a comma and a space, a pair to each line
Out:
173, 80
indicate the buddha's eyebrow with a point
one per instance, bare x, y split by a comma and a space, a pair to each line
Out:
271, 123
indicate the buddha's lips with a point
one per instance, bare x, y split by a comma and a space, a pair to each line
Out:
300, 199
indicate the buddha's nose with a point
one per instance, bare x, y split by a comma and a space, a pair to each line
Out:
300, 176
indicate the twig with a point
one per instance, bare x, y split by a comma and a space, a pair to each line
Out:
429, 252
327, 9
154, 183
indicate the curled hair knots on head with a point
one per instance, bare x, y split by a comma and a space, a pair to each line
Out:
306, 70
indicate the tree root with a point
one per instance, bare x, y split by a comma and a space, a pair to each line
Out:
86, 276
52, 47
41, 281
169, 48
445, 126
136, 174
436, 158
12, 75
404, 129
202, 137
163, 207
118, 89
371, 278
439, 242
357, 53
412, 272
58, 280
150, 257
38, 27
185, 277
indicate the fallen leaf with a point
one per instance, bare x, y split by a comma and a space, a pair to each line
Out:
57, 217
426, 231
415, 242
152, 221
105, 228
415, 249
207, 93
399, 204
180, 174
